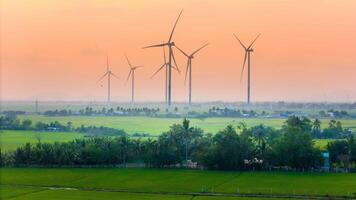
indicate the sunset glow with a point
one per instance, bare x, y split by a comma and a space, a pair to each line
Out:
56, 50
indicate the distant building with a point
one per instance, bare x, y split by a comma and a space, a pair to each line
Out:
326, 161
52, 129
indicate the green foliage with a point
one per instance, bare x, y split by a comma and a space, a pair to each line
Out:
229, 150
343, 152
258, 147
296, 149
99, 131
174, 146
155, 126
94, 151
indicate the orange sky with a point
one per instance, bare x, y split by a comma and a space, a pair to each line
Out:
56, 50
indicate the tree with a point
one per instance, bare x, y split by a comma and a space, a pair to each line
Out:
316, 128
229, 150
186, 134
336, 149
352, 146
295, 149
26, 124
335, 130
303, 124
69, 126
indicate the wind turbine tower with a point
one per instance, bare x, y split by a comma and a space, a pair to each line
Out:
108, 73
189, 68
247, 57
166, 65
170, 44
132, 75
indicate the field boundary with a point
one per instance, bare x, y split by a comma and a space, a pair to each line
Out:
193, 194
27, 193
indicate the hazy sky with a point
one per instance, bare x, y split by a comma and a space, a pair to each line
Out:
56, 50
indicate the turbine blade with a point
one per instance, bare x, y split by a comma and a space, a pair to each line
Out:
128, 61
128, 77
200, 49
186, 71
240, 42
114, 75
164, 55
254, 40
243, 66
156, 45
136, 67
107, 63
159, 69
181, 51
174, 27
102, 76
174, 67
175, 62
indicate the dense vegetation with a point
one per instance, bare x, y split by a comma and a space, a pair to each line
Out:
258, 147
10, 122
89, 111
334, 130
214, 111
264, 110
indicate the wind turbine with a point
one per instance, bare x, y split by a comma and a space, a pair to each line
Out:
166, 65
170, 45
108, 73
189, 67
132, 75
247, 57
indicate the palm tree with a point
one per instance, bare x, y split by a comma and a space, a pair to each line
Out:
259, 133
316, 127
186, 134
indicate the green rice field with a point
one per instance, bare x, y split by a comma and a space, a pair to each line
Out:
166, 184
156, 126
9, 140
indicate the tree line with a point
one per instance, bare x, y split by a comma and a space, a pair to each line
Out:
233, 148
89, 111
13, 123
334, 130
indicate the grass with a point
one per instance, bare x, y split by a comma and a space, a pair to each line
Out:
156, 126
322, 143
23, 193
9, 140
154, 181
13, 192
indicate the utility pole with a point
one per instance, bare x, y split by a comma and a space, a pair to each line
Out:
36, 106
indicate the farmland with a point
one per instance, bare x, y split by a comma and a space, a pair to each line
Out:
153, 126
156, 126
171, 183
9, 140
154, 184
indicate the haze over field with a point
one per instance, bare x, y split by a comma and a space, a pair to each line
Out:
306, 51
